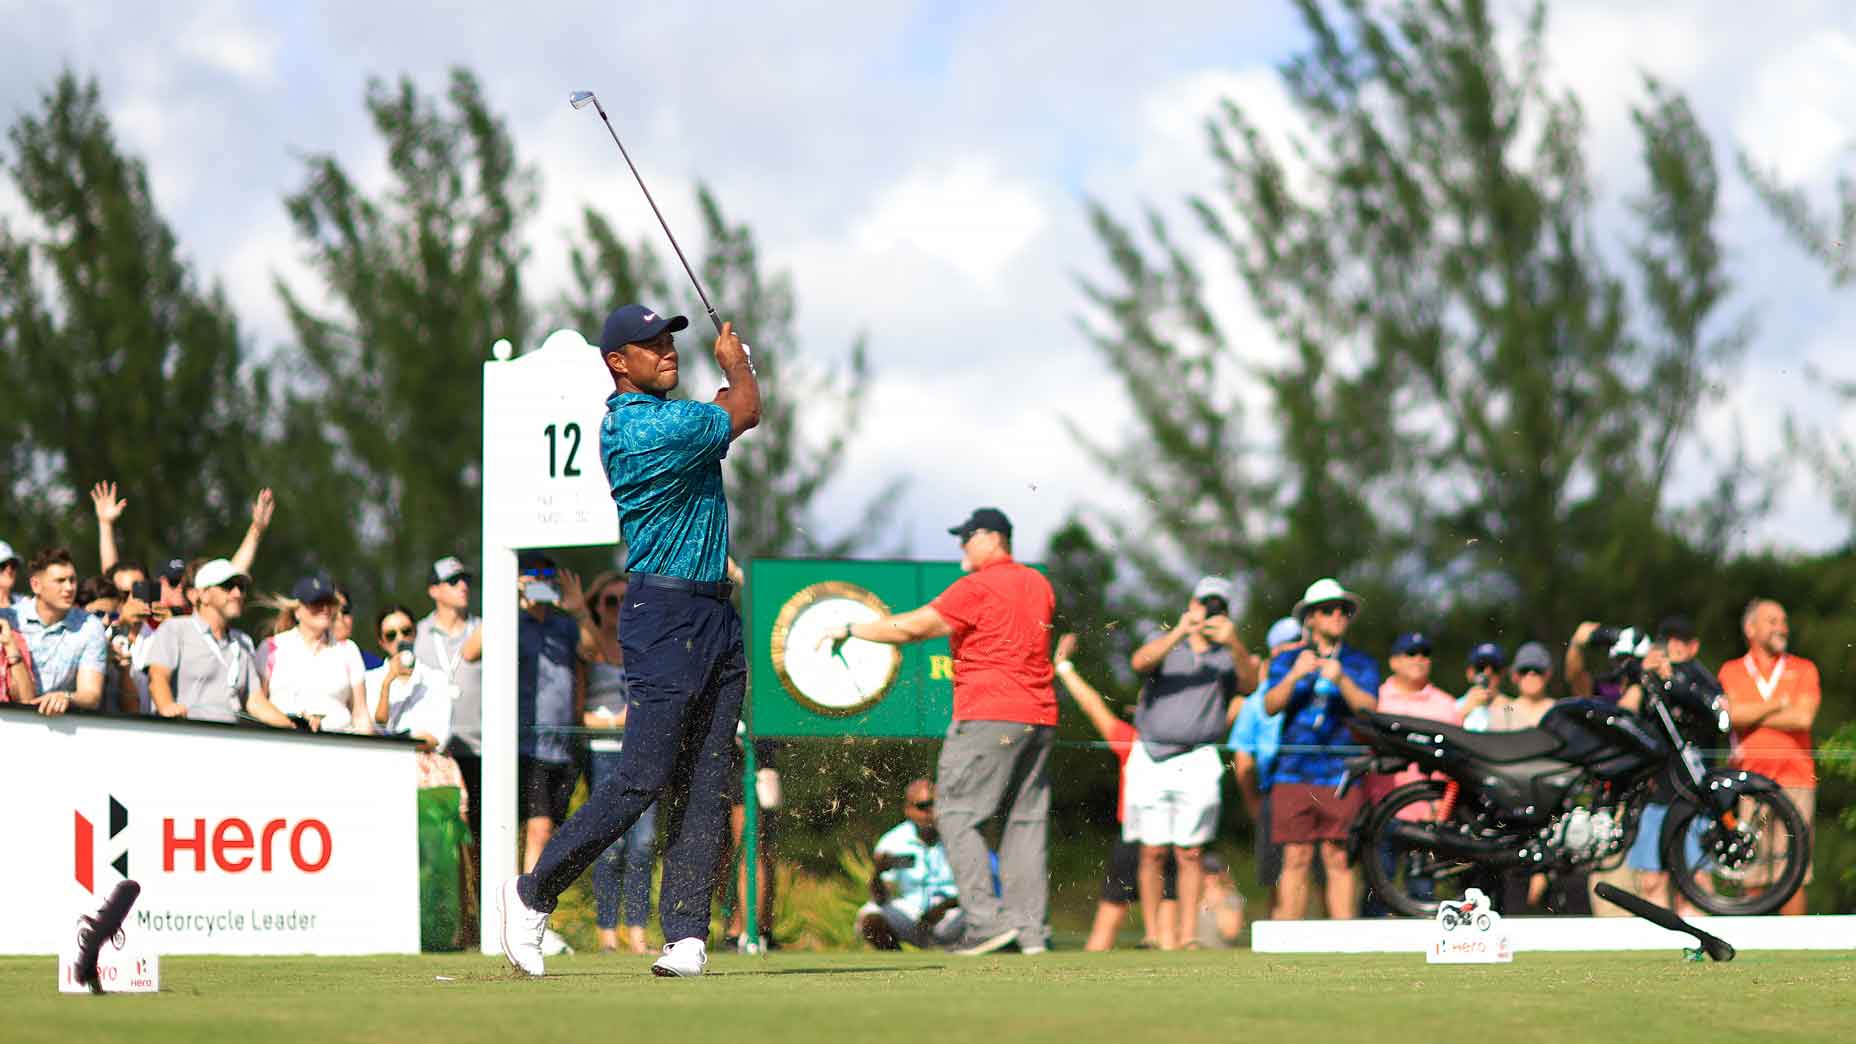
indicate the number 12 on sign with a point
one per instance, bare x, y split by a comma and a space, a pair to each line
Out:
570, 435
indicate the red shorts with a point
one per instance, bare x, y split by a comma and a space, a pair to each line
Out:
1302, 813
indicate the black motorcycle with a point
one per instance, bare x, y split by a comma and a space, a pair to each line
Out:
1568, 796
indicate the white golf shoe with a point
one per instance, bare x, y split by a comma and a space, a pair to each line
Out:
683, 959
520, 929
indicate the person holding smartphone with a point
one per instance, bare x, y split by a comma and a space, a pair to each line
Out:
1192, 675
913, 896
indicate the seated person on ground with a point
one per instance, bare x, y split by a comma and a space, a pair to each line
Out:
913, 898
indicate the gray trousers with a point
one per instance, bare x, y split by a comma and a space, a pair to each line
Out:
987, 769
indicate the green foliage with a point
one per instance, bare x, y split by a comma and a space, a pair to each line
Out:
385, 420
1476, 411
120, 365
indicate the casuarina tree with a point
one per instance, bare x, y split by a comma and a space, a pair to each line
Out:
119, 363
1476, 399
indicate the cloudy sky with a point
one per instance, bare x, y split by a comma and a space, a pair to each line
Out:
920, 169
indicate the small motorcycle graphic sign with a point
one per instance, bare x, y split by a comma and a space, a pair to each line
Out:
1469, 931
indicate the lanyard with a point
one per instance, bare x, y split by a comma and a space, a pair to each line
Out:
1768, 685
231, 664
445, 663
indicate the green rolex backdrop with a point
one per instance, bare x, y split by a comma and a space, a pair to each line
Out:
796, 687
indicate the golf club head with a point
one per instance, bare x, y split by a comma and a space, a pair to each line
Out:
580, 99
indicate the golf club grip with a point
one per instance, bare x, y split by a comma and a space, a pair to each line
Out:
116, 907
1649, 911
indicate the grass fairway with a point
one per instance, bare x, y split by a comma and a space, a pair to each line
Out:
1066, 997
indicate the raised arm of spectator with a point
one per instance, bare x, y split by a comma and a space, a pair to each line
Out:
109, 509
1148, 657
261, 511
1578, 679
1282, 684
1088, 700
741, 395
1246, 768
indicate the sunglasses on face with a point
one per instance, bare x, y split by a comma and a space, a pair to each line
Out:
394, 634
612, 601
924, 806
461, 578
318, 607
1423, 651
1525, 671
234, 587
1325, 608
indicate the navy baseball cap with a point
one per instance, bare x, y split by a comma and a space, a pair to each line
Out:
983, 518
636, 324
534, 562
1488, 654
1410, 642
313, 589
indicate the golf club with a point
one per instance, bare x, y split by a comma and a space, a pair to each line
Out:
582, 99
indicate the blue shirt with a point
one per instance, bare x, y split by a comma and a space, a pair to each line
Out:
663, 460
1258, 735
545, 658
930, 880
59, 651
1318, 718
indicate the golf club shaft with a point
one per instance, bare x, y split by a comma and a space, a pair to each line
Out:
716, 319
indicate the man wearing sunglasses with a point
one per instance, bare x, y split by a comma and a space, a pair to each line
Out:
1409, 692
913, 897
995, 760
449, 640
198, 666
1316, 689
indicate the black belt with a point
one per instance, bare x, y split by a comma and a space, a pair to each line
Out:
720, 590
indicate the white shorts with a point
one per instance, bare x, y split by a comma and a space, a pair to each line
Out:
904, 924
1173, 802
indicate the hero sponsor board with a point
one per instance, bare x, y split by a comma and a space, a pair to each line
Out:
244, 841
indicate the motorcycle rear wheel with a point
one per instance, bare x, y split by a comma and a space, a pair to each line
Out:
1715, 884
1413, 882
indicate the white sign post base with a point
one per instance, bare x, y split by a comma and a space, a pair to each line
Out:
1469, 932
130, 969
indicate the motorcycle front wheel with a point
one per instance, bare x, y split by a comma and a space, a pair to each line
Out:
1411, 880
1748, 869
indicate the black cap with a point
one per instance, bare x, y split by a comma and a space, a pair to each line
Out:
313, 589
1681, 628
175, 571
983, 518
1488, 654
533, 562
636, 324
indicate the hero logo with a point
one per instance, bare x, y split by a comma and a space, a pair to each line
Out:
85, 845
233, 845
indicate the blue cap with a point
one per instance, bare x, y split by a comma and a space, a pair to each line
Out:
1283, 631
313, 589
636, 324
1409, 642
1488, 654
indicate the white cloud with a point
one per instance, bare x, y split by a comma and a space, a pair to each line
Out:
965, 215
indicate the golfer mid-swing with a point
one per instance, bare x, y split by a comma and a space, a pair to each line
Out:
680, 634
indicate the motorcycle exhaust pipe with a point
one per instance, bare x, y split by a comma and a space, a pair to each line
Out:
1496, 853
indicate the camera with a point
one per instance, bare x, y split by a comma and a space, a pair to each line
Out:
1215, 605
144, 591
403, 650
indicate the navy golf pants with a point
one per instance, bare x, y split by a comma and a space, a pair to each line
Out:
688, 674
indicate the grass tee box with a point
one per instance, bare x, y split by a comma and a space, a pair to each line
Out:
1064, 997
797, 689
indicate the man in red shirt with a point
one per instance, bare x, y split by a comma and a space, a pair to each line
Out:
1772, 699
996, 759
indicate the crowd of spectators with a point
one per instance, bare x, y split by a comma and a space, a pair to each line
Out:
182, 642
1288, 736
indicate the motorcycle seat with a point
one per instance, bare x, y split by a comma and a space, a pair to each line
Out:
1498, 747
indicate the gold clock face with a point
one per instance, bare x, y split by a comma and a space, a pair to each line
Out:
852, 679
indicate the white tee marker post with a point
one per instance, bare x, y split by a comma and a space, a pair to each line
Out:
543, 486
